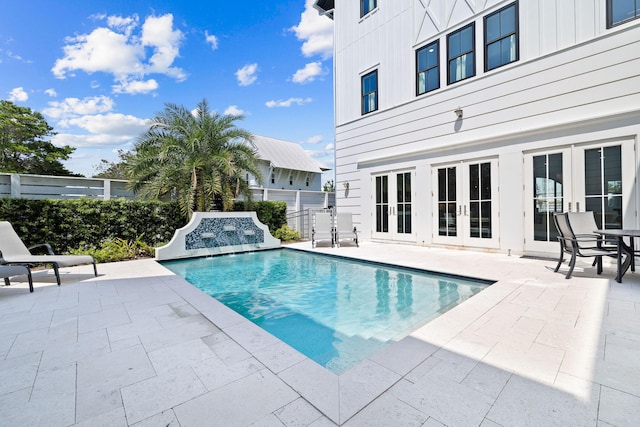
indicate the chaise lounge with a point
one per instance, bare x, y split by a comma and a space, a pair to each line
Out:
14, 251
7, 271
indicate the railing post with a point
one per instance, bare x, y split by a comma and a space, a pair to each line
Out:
106, 188
16, 191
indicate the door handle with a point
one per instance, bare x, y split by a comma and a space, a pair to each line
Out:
465, 210
569, 210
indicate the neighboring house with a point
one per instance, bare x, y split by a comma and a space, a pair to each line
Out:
286, 166
468, 123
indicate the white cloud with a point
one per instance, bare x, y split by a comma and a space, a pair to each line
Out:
117, 50
51, 92
91, 140
136, 86
288, 103
118, 125
247, 74
308, 73
329, 147
18, 94
211, 39
314, 139
73, 107
233, 110
315, 31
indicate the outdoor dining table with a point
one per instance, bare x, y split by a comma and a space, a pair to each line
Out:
623, 249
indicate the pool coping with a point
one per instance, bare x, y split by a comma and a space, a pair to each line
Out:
340, 397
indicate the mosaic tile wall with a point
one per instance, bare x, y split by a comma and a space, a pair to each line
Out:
217, 232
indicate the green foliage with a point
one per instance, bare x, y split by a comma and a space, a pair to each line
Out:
113, 170
116, 249
87, 223
329, 186
199, 159
286, 234
24, 147
271, 213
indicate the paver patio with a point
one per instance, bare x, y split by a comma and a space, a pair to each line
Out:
140, 346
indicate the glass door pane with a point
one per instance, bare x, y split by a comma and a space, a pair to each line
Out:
403, 184
603, 185
447, 205
548, 195
382, 204
480, 200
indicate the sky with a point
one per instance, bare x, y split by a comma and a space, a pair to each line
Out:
98, 70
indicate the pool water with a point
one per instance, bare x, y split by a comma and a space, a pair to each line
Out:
335, 311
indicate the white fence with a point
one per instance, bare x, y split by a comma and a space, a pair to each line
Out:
61, 187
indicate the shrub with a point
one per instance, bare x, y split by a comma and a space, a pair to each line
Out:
87, 223
116, 250
271, 213
286, 234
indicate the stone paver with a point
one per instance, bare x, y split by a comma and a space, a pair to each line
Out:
140, 346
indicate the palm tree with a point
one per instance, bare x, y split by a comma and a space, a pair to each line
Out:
197, 158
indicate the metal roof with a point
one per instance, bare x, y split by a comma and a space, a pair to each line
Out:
325, 7
286, 155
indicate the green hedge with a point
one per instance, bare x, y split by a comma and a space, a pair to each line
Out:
271, 213
71, 224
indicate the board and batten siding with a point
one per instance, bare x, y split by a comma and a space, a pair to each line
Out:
575, 81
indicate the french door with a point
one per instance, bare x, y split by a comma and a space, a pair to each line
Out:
590, 177
466, 204
393, 213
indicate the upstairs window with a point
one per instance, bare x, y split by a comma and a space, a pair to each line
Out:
621, 11
367, 6
461, 54
307, 181
501, 38
290, 179
273, 178
370, 92
428, 68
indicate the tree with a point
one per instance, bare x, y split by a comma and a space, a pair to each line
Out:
198, 158
113, 170
329, 186
23, 144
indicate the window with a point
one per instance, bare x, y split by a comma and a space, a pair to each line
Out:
461, 54
428, 68
273, 178
501, 38
367, 6
370, 92
307, 181
290, 179
621, 11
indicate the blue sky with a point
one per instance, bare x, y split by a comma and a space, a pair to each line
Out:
98, 70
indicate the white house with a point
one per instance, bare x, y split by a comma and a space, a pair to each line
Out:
466, 123
286, 166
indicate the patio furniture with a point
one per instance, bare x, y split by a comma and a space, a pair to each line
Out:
623, 249
7, 271
345, 230
577, 246
323, 229
14, 251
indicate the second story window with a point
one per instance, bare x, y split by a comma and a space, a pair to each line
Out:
273, 178
461, 54
428, 68
307, 181
367, 6
621, 11
370, 92
290, 179
501, 38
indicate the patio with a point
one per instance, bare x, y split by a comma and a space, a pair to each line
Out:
139, 346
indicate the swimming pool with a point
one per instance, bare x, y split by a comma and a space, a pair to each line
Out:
335, 311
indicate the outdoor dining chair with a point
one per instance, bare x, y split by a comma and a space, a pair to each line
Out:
578, 245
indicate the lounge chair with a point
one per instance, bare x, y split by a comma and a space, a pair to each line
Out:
14, 251
345, 230
584, 245
7, 271
323, 229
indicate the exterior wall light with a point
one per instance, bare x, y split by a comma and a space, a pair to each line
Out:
346, 185
458, 112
